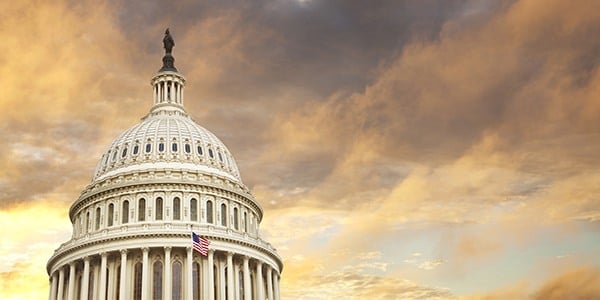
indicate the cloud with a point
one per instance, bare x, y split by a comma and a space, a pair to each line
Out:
582, 283
26, 250
577, 284
347, 119
478, 117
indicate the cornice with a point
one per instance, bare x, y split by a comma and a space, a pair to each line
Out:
65, 250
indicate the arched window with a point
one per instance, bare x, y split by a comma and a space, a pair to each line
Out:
137, 281
241, 285
210, 153
136, 149
124, 152
194, 210
200, 152
223, 214
91, 284
176, 208
159, 208
209, 212
177, 282
236, 224
252, 284
174, 147
87, 222
78, 289
142, 209
216, 279
196, 281
97, 218
245, 222
148, 147
107, 276
220, 156
188, 149
125, 212
161, 147
157, 274
111, 212
227, 287
118, 289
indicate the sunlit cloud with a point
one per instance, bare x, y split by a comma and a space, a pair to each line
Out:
397, 148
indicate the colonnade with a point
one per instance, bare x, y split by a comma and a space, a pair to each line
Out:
165, 273
168, 90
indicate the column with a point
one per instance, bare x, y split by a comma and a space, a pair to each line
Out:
53, 286
110, 279
269, 283
166, 91
222, 284
188, 277
204, 279
276, 283
145, 273
167, 270
180, 87
154, 92
123, 276
236, 282
259, 281
230, 287
61, 284
102, 286
85, 279
247, 294
71, 290
159, 91
211, 275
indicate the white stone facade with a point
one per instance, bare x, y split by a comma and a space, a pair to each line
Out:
158, 182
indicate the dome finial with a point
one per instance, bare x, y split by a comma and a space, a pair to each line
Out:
168, 42
168, 59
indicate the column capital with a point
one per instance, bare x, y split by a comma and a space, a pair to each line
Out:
246, 258
103, 254
145, 249
211, 251
229, 254
72, 264
123, 251
168, 249
259, 263
86, 258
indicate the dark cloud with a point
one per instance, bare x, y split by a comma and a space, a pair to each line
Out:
439, 99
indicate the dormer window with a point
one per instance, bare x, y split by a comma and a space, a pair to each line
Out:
161, 147
174, 147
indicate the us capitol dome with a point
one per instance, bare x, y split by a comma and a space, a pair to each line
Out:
160, 181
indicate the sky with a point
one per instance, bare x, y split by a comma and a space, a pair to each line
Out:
400, 149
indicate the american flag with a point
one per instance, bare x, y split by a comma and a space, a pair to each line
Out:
200, 244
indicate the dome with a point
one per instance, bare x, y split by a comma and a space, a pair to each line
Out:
167, 140
166, 215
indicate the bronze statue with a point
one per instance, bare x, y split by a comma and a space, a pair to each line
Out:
168, 42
